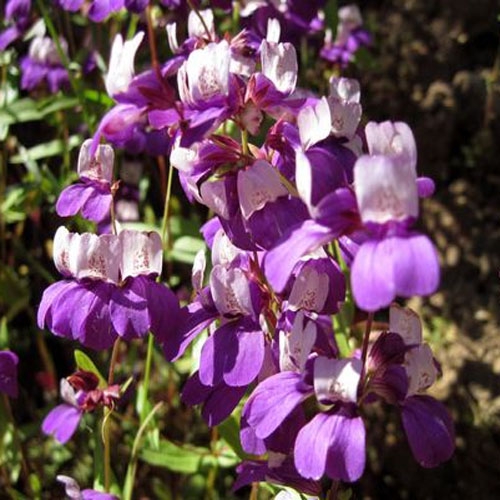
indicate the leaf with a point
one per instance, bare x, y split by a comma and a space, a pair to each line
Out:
175, 458
83, 362
230, 431
10, 454
46, 150
185, 249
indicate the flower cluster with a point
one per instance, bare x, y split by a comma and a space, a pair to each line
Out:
313, 213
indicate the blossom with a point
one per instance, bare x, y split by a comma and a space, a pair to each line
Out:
394, 260
92, 195
8, 373
109, 289
17, 14
43, 63
73, 491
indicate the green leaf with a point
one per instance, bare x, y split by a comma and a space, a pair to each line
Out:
185, 249
83, 362
46, 150
175, 458
230, 431
10, 454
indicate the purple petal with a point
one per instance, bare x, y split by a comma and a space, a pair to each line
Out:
404, 266
164, 310
62, 422
429, 430
128, 309
193, 320
219, 401
334, 443
72, 199
280, 261
8, 373
273, 400
234, 353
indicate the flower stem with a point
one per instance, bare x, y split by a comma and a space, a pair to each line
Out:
147, 376
132, 466
200, 17
75, 85
366, 340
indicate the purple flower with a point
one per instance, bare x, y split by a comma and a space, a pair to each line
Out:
394, 260
73, 491
92, 195
109, 290
43, 64
81, 393
17, 13
8, 373
350, 37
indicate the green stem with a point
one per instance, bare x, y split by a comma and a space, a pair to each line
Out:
64, 59
132, 466
147, 375
165, 226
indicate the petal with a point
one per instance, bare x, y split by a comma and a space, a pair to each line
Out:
280, 261
62, 422
273, 400
429, 430
8, 373
72, 199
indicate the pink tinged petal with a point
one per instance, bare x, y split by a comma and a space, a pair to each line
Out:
334, 443
257, 185
207, 71
214, 196
386, 190
233, 354
392, 139
62, 422
280, 261
60, 250
345, 89
121, 64
198, 270
296, 346
273, 400
196, 28
8, 373
98, 165
223, 251
336, 379
273, 32
172, 37
71, 487
309, 291
304, 178
142, 253
429, 429
279, 64
350, 16
314, 123
345, 118
95, 257
420, 368
406, 323
230, 291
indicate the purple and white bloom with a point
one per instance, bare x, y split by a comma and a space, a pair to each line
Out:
73, 491
394, 260
121, 64
99, 9
81, 393
350, 37
17, 14
8, 373
44, 64
92, 195
109, 290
